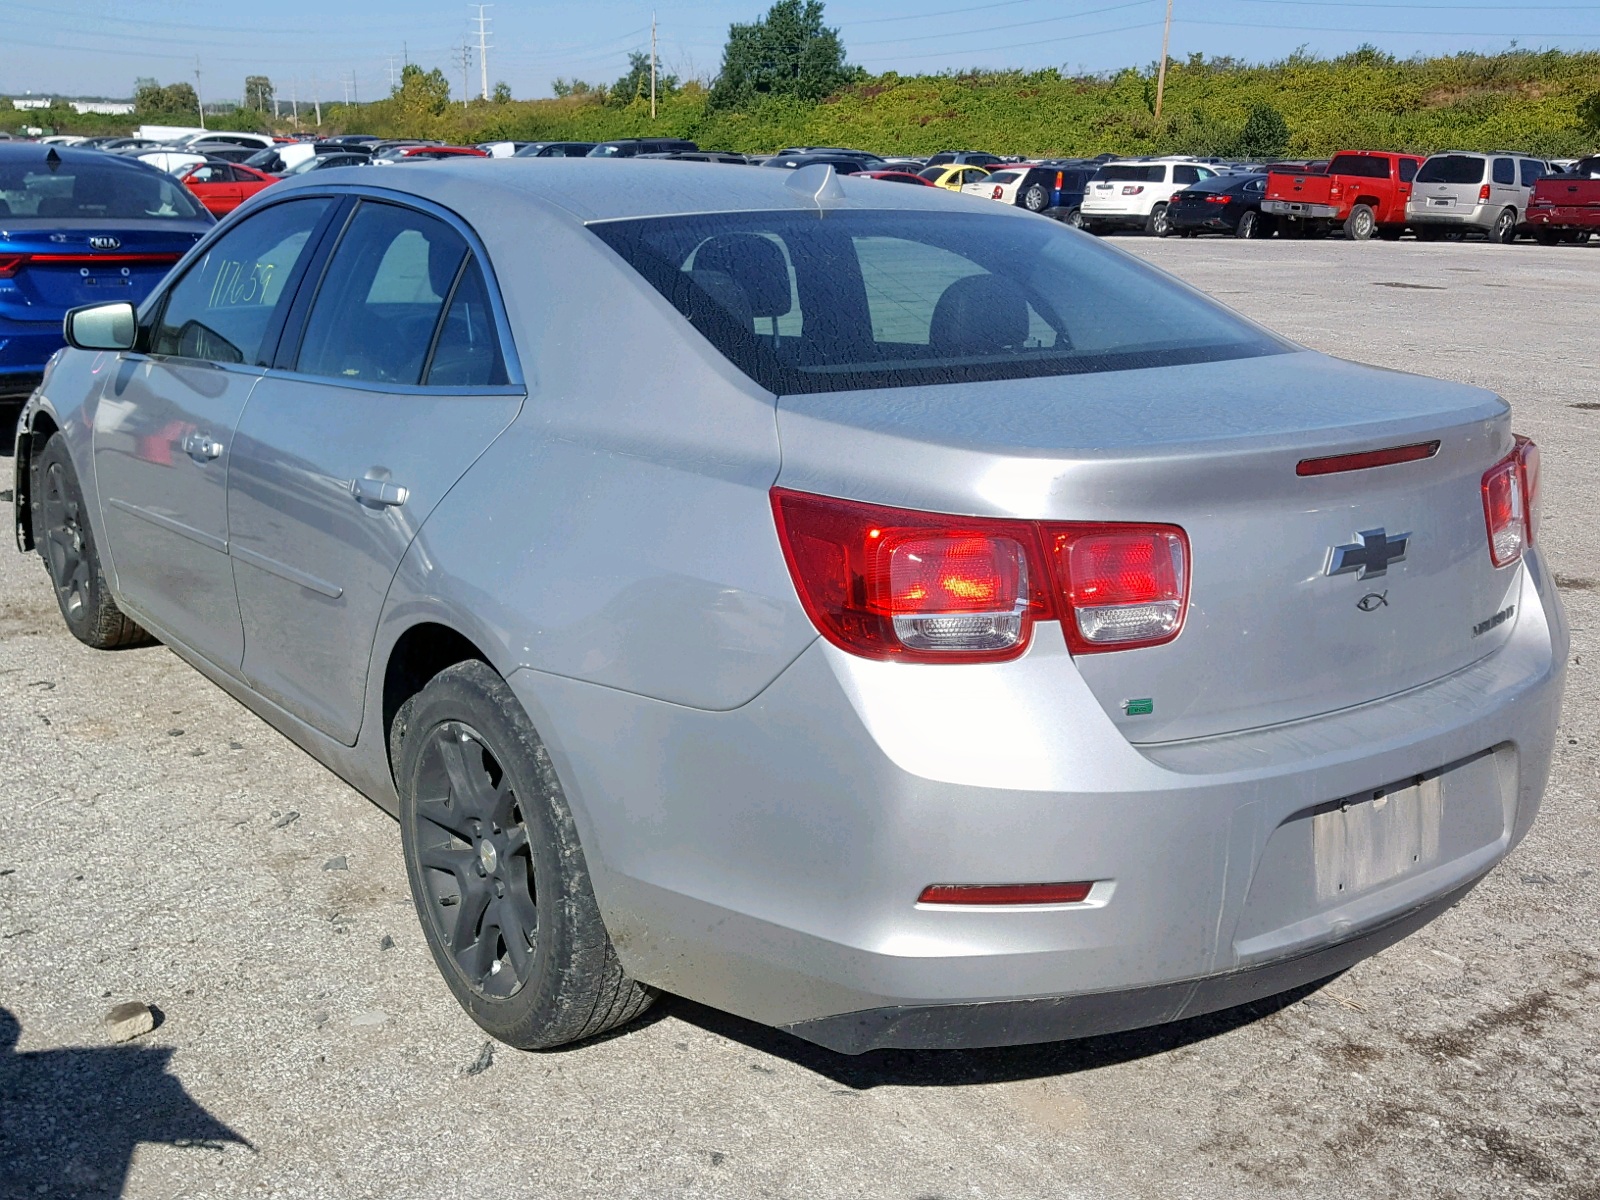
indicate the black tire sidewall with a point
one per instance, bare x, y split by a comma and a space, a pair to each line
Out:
55, 453
1249, 226
474, 695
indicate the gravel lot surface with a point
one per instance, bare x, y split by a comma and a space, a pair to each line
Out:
159, 843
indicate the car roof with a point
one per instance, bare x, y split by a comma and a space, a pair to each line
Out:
25, 152
588, 189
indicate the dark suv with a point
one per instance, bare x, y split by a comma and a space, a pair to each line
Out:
633, 147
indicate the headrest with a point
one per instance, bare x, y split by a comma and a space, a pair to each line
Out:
981, 314
753, 262
729, 296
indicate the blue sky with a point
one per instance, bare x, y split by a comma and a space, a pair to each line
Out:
99, 46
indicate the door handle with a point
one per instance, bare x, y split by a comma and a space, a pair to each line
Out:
202, 446
379, 491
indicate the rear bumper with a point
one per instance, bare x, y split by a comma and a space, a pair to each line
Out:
768, 860
1479, 215
1294, 208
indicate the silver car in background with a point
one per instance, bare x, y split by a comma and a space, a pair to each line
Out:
1466, 192
897, 620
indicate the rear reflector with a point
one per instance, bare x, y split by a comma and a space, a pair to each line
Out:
1367, 459
1008, 893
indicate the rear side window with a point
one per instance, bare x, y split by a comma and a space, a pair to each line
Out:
1452, 168
1505, 171
1532, 170
1111, 173
221, 309
852, 300
1364, 166
1408, 169
467, 350
382, 293
1185, 175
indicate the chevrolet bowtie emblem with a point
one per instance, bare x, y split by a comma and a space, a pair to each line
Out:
1371, 555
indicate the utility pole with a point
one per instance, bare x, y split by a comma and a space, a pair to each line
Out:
463, 57
1161, 75
199, 103
394, 74
652, 66
294, 99
355, 92
316, 98
344, 84
483, 44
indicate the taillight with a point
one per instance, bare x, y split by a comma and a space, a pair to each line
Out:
1214, 199
1123, 584
891, 583
1528, 452
1483, 193
1132, 190
1504, 510
1060, 175
10, 264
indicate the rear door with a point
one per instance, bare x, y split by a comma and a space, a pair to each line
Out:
1503, 189
396, 382
164, 427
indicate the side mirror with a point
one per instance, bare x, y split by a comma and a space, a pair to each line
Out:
101, 327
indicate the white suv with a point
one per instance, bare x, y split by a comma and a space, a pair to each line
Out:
1134, 193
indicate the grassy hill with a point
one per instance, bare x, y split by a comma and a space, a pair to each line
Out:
1528, 100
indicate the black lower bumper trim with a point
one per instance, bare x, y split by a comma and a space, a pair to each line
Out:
1058, 1018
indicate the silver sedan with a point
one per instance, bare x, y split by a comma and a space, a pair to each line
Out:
892, 617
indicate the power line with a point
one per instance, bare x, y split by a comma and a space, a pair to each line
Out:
1385, 32
928, 37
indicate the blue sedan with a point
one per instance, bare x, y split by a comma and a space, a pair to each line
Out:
78, 227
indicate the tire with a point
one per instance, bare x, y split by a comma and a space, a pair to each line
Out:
1504, 230
1361, 224
1158, 224
1429, 233
1094, 227
1075, 219
1391, 233
66, 543
1036, 199
470, 762
1546, 236
1249, 226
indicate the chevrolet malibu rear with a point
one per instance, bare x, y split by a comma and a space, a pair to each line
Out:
930, 626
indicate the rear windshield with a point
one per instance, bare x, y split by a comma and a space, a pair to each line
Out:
1363, 165
79, 191
1003, 177
1110, 174
848, 300
1452, 168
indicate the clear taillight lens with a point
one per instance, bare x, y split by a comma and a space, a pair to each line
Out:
1504, 510
1124, 585
895, 583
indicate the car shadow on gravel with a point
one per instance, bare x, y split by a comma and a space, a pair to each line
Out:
1005, 1064
71, 1118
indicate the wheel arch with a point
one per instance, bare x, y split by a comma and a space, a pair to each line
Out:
421, 651
37, 427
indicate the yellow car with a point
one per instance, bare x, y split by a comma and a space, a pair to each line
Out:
954, 176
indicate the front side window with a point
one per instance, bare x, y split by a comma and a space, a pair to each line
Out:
382, 292
222, 307
1532, 170
851, 300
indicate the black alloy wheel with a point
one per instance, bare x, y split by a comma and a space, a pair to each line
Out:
66, 542
1249, 225
477, 876
1504, 229
496, 869
1036, 198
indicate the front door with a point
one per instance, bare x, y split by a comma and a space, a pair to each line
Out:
164, 428
396, 386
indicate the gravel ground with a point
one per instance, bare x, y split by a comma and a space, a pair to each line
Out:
159, 843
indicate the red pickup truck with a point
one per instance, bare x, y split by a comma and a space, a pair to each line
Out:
1566, 207
1363, 191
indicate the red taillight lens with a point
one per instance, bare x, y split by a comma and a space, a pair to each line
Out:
1132, 191
1011, 893
894, 583
1060, 175
1483, 193
1125, 585
1528, 454
1215, 199
1504, 511
10, 264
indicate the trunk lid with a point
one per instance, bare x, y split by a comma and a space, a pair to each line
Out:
1270, 635
44, 272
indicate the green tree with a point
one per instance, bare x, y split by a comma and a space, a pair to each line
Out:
1265, 134
258, 93
788, 53
175, 103
635, 82
1589, 112
502, 92
421, 93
